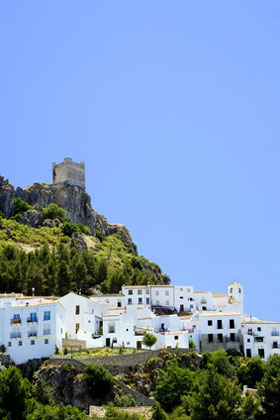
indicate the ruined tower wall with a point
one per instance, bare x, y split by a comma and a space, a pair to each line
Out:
69, 172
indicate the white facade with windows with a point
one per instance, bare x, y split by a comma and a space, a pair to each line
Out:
33, 327
260, 338
137, 295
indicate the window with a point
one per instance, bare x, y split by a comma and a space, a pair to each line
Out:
77, 311
46, 341
128, 343
261, 353
20, 343
32, 317
47, 329
239, 290
176, 337
231, 323
140, 301
47, 315
250, 331
219, 324
248, 340
114, 340
204, 308
166, 292
119, 304
130, 292
157, 302
32, 342
181, 297
188, 290
129, 301
259, 329
139, 291
248, 353
220, 338
157, 293
274, 345
167, 303
111, 329
147, 301
210, 338
232, 337
210, 323
231, 290
9, 344
191, 306
77, 327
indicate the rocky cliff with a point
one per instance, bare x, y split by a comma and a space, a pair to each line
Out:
73, 199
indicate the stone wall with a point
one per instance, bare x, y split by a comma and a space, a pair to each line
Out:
116, 363
70, 172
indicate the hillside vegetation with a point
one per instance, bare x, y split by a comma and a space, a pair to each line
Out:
49, 259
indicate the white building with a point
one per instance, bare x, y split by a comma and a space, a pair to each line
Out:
83, 319
260, 338
31, 327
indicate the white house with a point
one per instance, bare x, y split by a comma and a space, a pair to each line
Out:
260, 338
83, 319
32, 327
136, 295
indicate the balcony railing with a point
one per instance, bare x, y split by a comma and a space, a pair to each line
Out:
275, 333
46, 332
15, 335
32, 334
32, 319
232, 339
15, 321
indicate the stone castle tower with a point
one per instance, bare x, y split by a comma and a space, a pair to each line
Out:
69, 172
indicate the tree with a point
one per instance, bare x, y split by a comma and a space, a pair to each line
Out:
158, 413
214, 397
53, 211
57, 412
192, 344
149, 340
14, 394
20, 206
269, 388
251, 372
100, 382
69, 228
172, 384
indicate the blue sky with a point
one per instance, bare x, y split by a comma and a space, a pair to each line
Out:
174, 107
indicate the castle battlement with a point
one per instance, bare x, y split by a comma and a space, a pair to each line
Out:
69, 172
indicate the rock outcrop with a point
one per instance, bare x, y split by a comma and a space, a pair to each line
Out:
73, 199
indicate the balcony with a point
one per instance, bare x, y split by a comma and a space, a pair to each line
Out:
15, 335
32, 334
232, 340
32, 319
16, 321
47, 332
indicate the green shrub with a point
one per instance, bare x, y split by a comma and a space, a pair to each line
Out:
192, 344
69, 228
20, 206
99, 235
65, 350
149, 340
100, 382
83, 229
124, 401
53, 211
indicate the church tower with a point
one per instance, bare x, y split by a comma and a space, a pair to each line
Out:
235, 292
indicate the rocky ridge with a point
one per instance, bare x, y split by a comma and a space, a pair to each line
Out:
73, 199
